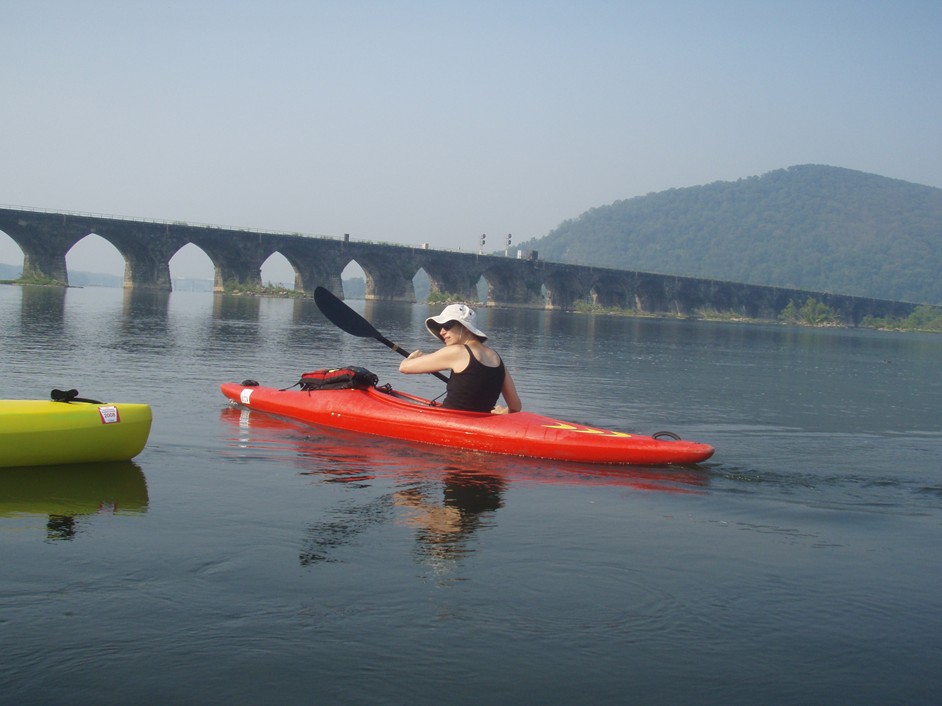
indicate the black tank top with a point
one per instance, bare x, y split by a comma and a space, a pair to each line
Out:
476, 388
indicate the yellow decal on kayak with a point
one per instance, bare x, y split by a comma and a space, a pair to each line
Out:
585, 430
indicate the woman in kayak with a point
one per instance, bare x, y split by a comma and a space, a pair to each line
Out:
478, 376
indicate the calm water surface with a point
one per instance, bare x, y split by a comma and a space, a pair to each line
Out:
246, 559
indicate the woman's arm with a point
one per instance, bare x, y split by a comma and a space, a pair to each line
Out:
446, 358
509, 391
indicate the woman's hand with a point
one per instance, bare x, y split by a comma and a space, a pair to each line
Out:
414, 354
498, 409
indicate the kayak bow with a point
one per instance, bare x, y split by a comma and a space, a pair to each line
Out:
47, 432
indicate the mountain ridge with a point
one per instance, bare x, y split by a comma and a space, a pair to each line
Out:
812, 227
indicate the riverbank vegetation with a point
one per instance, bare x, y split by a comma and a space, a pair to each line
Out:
923, 318
34, 279
810, 313
260, 290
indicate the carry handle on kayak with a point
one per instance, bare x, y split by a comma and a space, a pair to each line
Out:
345, 318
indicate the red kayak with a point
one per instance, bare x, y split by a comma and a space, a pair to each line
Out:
390, 413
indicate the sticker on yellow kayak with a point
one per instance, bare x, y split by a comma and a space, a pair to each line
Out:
109, 414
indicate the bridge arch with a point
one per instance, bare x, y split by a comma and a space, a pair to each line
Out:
94, 254
422, 285
277, 271
648, 293
10, 251
509, 284
609, 291
482, 289
189, 265
564, 287
447, 279
146, 254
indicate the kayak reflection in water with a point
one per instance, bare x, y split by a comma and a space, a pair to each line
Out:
478, 376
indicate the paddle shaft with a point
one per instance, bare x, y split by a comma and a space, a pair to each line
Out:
343, 317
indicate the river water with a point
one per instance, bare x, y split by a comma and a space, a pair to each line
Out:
245, 559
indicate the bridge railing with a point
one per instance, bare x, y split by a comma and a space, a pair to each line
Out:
138, 219
157, 221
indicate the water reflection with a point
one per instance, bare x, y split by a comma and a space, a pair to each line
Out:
305, 311
446, 495
447, 515
42, 310
145, 303
68, 494
228, 307
323, 538
235, 322
144, 322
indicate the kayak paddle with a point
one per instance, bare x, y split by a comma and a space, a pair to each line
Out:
345, 318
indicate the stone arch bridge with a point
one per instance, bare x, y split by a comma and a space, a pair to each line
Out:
238, 255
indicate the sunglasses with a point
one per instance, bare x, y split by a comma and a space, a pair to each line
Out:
448, 326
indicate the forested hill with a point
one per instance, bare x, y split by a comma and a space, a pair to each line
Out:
810, 227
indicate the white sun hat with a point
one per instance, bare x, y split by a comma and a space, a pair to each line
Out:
461, 313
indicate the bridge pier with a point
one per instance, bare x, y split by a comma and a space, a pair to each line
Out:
45, 244
446, 279
387, 278
382, 285
146, 273
312, 274
40, 265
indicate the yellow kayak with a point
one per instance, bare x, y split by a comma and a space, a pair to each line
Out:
47, 432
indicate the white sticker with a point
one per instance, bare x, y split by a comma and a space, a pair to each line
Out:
246, 395
109, 414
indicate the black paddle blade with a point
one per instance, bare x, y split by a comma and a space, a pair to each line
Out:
346, 319
342, 316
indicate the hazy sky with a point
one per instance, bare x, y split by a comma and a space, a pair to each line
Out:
436, 121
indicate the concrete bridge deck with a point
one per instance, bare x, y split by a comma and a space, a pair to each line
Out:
238, 255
